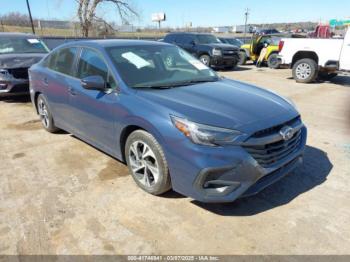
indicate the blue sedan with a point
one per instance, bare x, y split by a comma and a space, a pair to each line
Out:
173, 120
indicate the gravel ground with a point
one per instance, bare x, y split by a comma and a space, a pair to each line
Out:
59, 195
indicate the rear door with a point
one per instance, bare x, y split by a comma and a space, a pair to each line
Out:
92, 110
59, 74
186, 42
345, 53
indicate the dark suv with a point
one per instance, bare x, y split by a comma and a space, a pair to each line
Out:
208, 48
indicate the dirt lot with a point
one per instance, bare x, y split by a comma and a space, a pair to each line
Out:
60, 195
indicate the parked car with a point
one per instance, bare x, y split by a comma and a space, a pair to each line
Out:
267, 31
176, 125
231, 41
207, 48
243, 54
316, 58
17, 53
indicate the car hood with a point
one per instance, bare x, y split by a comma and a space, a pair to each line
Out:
226, 103
10, 61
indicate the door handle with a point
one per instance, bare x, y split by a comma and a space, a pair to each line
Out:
72, 91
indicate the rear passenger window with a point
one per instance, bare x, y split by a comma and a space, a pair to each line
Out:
63, 60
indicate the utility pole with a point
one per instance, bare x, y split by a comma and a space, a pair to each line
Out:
30, 17
246, 14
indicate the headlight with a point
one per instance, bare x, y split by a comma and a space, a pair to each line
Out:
217, 52
205, 135
4, 74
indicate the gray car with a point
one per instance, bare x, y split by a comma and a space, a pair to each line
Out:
18, 52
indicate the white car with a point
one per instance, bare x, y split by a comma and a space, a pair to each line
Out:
315, 58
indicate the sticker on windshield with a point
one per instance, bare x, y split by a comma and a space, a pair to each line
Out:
199, 65
138, 61
33, 41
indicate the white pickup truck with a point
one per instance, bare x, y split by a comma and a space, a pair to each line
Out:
315, 58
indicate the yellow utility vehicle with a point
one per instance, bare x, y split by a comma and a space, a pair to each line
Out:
252, 50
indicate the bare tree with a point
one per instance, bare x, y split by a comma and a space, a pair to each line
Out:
87, 12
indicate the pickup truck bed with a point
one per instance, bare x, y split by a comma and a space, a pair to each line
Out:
315, 58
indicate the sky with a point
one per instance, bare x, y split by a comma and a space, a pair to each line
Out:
199, 12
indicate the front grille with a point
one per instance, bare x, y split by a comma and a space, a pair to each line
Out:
19, 73
275, 129
229, 52
269, 154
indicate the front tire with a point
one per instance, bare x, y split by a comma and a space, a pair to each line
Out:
146, 162
242, 58
205, 59
305, 71
273, 61
45, 115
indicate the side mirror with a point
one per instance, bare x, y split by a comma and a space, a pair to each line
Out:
94, 83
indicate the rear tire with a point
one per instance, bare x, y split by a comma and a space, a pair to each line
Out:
242, 58
45, 115
305, 71
146, 162
273, 61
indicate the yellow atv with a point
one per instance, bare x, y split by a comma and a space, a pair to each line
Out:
252, 50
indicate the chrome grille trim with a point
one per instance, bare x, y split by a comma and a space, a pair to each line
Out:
272, 149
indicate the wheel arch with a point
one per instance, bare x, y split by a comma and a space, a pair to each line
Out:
305, 54
36, 95
133, 125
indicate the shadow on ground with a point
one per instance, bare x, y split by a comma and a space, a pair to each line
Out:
312, 173
238, 68
15, 99
342, 80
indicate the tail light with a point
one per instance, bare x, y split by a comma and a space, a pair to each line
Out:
280, 46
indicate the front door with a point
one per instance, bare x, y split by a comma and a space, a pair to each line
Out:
94, 111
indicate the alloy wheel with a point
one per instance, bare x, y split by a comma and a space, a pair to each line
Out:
303, 71
44, 114
144, 164
204, 60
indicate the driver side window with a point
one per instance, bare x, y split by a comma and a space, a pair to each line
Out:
92, 64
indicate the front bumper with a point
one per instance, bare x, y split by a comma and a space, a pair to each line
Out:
224, 61
224, 174
15, 86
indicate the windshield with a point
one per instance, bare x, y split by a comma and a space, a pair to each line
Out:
235, 42
158, 66
207, 39
22, 45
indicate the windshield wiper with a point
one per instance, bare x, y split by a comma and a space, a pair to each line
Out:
177, 84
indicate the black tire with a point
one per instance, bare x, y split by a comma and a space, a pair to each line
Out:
273, 61
163, 183
326, 76
45, 114
205, 59
242, 58
310, 73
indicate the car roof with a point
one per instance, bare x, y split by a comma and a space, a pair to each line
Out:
189, 33
20, 35
105, 43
